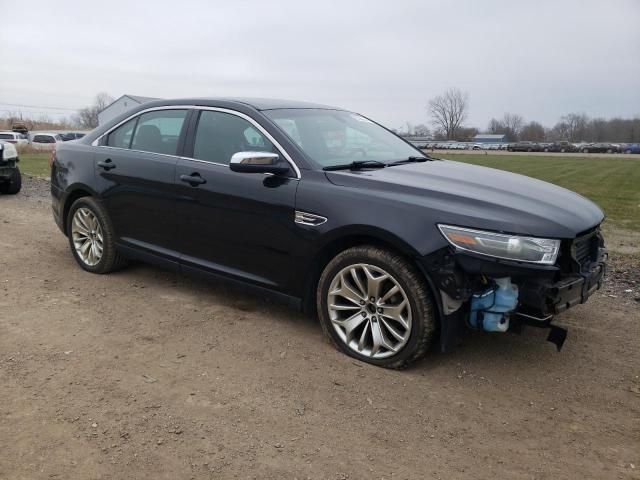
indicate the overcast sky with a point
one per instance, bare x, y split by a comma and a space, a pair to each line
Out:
385, 59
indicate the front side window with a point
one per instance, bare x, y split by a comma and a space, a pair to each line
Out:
6, 136
159, 131
44, 139
334, 137
219, 135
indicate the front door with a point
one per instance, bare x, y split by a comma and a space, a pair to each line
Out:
240, 225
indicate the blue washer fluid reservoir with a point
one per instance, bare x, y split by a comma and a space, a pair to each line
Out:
490, 309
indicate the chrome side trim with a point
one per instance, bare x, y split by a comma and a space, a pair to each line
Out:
282, 151
311, 219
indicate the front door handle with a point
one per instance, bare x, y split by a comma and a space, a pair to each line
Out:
194, 179
107, 164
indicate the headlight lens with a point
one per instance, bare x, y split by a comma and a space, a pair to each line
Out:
510, 247
7, 151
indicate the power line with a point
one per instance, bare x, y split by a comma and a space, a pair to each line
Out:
38, 106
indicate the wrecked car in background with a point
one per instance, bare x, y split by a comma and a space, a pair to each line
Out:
333, 213
10, 177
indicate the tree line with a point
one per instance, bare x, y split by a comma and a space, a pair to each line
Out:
449, 111
85, 119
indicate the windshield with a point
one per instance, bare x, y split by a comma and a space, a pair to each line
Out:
336, 137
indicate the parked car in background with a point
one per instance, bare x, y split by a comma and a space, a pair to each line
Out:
524, 147
45, 141
631, 148
599, 148
10, 178
71, 136
561, 147
225, 188
16, 138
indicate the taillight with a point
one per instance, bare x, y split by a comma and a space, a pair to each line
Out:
52, 158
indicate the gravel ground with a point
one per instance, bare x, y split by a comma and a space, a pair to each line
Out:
148, 374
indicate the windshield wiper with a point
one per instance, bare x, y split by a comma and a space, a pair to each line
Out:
357, 165
412, 159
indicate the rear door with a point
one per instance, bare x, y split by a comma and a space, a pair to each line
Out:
135, 172
239, 225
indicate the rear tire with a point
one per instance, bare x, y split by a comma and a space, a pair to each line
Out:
403, 322
92, 238
14, 185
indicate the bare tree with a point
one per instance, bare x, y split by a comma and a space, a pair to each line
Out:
448, 111
576, 125
421, 130
533, 131
512, 125
88, 117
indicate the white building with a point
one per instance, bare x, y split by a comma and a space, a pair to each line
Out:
121, 105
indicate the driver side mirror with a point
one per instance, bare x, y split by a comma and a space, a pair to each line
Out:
258, 162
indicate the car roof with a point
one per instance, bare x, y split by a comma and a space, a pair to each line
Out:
256, 103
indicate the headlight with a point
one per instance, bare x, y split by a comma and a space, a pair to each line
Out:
498, 245
8, 151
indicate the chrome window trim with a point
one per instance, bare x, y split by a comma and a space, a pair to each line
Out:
254, 123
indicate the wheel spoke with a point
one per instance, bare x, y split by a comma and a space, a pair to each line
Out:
80, 229
373, 282
363, 336
345, 291
392, 291
378, 339
358, 281
391, 330
82, 218
395, 313
344, 307
351, 323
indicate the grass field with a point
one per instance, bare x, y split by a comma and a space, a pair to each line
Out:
35, 164
613, 183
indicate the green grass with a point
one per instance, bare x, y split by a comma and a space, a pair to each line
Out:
613, 183
35, 164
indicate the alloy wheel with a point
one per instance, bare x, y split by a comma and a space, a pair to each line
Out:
369, 310
87, 236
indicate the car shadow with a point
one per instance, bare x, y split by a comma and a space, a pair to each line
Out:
478, 349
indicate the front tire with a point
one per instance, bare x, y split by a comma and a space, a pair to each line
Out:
92, 238
14, 185
375, 306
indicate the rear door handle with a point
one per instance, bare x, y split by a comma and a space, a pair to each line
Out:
194, 179
107, 164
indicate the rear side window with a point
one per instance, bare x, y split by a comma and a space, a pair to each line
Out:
159, 131
6, 136
219, 135
43, 139
121, 136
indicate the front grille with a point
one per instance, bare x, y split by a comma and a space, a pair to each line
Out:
584, 249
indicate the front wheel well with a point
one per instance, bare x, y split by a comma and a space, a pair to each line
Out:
329, 251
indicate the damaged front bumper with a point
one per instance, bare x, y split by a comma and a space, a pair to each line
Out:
543, 291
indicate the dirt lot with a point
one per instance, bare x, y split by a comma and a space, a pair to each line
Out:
148, 374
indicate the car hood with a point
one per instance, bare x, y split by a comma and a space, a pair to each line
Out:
479, 197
